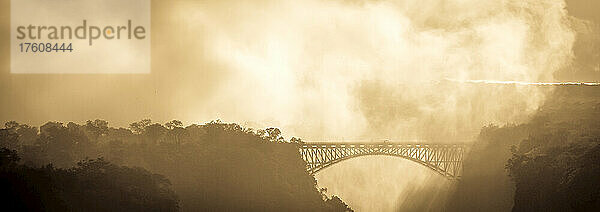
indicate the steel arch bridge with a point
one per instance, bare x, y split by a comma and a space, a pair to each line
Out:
445, 159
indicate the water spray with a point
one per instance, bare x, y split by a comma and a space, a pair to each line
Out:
498, 82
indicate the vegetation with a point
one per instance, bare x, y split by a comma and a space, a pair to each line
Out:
91, 185
557, 167
551, 163
215, 167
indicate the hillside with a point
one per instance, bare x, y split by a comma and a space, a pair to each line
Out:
547, 164
216, 166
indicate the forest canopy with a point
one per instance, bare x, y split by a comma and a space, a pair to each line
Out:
550, 163
215, 166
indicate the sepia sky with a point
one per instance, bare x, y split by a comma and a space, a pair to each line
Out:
329, 70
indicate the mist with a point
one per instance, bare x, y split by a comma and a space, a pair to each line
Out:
323, 70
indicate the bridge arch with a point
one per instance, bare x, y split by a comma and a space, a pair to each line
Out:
444, 159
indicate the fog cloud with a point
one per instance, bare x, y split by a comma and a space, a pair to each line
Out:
378, 69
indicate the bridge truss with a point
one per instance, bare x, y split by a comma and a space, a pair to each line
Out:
445, 159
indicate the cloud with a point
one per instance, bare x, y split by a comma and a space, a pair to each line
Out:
333, 69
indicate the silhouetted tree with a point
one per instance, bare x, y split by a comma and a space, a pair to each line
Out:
216, 167
93, 185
